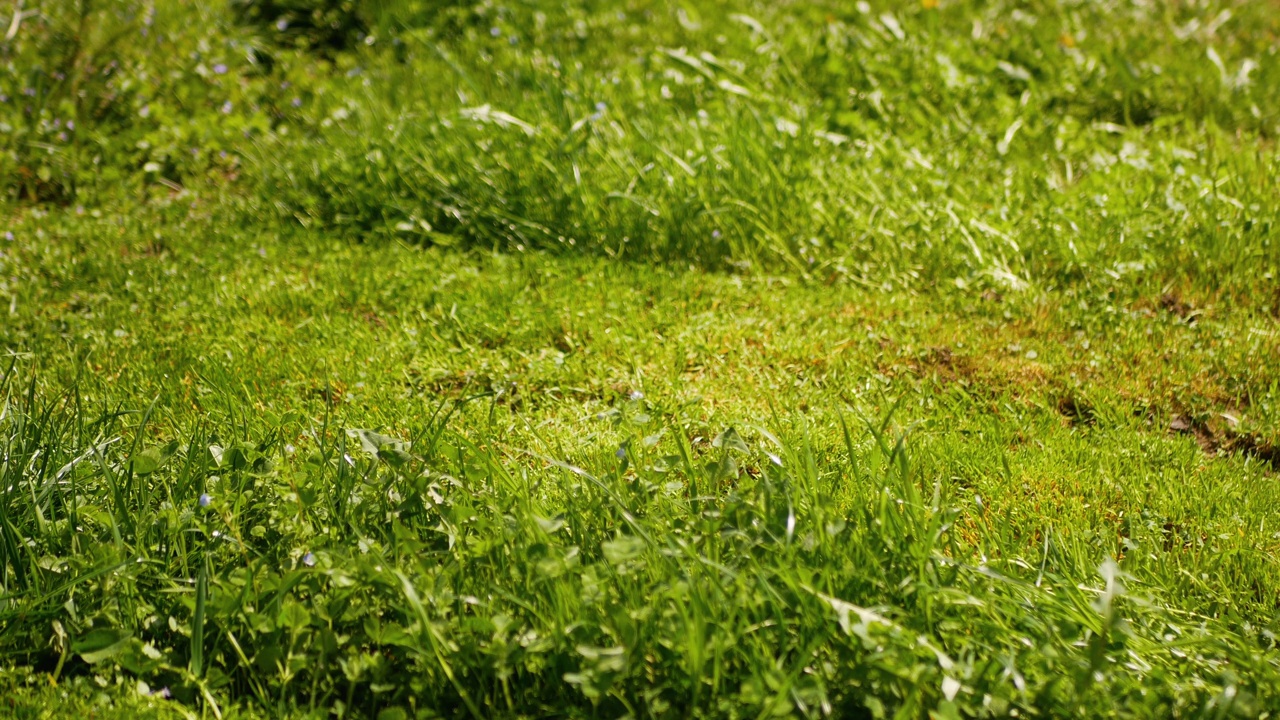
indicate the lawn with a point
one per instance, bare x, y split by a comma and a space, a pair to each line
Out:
638, 359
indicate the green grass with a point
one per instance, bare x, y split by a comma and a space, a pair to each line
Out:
910, 365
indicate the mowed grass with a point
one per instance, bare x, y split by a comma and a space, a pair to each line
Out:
1034, 454
909, 363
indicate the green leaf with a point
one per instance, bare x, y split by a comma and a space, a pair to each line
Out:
550, 525
141, 658
293, 615
606, 659
726, 468
388, 449
101, 643
153, 458
394, 456
624, 548
730, 440
233, 457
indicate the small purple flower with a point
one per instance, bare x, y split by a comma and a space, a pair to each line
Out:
495, 32
296, 102
205, 500
602, 106
71, 124
162, 693
622, 452
8, 235
226, 107
282, 25
29, 92
220, 69
62, 137
309, 559
57, 123
144, 111
715, 234
637, 395
512, 40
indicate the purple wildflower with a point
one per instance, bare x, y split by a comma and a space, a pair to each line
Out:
8, 235
715, 234
205, 500
296, 102
220, 69
495, 32
282, 25
309, 559
226, 108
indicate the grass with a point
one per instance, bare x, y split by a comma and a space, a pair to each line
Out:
841, 363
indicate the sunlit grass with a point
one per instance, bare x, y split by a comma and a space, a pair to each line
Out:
618, 360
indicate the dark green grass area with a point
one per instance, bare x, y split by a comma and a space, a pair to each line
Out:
640, 360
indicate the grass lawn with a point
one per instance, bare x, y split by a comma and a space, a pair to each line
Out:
597, 359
